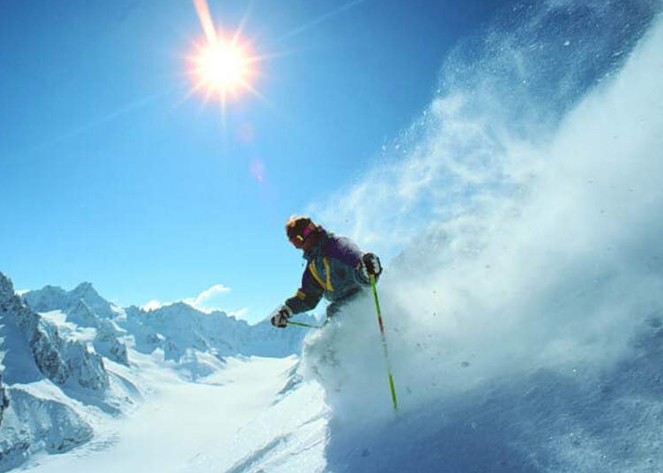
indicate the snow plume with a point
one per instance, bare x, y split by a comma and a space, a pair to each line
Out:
529, 195
501, 97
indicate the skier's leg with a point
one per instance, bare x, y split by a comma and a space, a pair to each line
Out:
332, 309
335, 307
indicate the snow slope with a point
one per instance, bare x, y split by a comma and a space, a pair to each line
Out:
524, 323
205, 426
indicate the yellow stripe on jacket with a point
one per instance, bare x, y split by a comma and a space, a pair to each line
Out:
316, 276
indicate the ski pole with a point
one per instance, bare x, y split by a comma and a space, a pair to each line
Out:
302, 324
384, 344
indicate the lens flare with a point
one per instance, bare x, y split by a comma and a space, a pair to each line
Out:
223, 64
223, 68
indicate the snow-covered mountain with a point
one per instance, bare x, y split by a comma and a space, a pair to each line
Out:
175, 328
67, 358
52, 384
55, 298
178, 327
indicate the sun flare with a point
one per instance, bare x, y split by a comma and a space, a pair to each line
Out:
223, 68
222, 64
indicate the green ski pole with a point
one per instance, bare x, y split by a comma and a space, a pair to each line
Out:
384, 344
302, 324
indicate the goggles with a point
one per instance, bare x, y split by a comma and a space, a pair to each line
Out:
298, 240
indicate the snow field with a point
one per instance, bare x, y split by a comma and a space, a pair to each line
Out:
182, 426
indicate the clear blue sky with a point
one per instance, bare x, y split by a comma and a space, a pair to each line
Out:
108, 175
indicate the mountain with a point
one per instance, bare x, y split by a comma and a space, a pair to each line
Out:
84, 308
71, 358
173, 328
45, 376
55, 298
178, 327
60, 360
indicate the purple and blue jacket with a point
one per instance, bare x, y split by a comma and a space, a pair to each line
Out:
333, 271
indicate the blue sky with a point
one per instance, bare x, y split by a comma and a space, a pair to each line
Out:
109, 173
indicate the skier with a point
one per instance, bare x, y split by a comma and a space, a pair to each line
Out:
336, 269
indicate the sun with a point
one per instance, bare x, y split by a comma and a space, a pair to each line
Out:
224, 67
222, 64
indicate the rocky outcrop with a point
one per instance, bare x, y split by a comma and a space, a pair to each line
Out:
86, 367
32, 349
46, 346
106, 341
107, 344
4, 400
82, 315
58, 360
33, 423
43, 339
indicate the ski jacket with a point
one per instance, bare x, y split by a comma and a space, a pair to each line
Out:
333, 270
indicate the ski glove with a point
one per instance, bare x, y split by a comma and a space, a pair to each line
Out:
280, 318
370, 265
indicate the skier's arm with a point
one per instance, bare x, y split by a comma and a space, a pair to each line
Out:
307, 297
346, 251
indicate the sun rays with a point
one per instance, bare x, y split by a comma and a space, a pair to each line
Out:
223, 65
